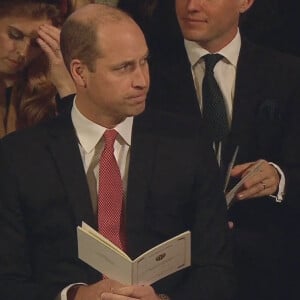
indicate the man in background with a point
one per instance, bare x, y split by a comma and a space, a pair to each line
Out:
258, 90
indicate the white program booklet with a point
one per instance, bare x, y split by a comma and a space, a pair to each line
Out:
156, 263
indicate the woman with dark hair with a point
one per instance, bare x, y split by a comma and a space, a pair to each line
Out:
32, 72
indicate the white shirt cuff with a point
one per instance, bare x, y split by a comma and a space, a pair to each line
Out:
281, 187
63, 294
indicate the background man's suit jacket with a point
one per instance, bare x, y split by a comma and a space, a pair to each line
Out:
265, 125
173, 186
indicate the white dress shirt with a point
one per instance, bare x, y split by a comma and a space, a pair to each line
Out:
91, 145
224, 71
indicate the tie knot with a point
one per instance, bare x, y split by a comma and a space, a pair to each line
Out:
211, 60
110, 137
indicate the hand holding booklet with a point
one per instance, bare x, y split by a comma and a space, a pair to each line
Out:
154, 264
231, 194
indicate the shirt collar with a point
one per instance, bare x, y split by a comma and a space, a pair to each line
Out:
230, 51
89, 133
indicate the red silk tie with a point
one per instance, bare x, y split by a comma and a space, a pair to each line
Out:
110, 199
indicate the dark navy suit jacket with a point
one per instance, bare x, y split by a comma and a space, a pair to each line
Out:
265, 125
173, 186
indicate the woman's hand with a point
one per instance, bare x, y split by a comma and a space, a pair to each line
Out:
49, 37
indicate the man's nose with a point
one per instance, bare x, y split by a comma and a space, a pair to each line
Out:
193, 5
141, 77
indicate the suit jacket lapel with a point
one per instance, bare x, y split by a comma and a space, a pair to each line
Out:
248, 85
185, 83
248, 89
64, 148
140, 170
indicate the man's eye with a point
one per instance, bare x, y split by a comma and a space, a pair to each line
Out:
124, 68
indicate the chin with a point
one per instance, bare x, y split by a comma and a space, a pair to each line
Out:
193, 35
138, 110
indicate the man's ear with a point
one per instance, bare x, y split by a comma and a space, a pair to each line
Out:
78, 73
245, 5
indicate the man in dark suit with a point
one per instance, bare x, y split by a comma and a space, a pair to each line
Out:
169, 175
261, 93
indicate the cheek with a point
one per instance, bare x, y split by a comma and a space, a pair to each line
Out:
100, 89
7, 46
147, 78
181, 7
225, 17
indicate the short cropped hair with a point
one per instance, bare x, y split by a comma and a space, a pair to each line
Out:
79, 38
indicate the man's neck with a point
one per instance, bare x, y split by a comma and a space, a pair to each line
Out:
219, 44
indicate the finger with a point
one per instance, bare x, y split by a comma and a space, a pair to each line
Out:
52, 53
256, 167
243, 169
260, 189
112, 296
47, 41
138, 291
52, 31
253, 174
48, 45
51, 40
238, 170
266, 173
254, 179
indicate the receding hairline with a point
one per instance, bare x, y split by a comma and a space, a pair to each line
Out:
80, 32
99, 14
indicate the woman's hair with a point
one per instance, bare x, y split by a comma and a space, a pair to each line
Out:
35, 9
34, 94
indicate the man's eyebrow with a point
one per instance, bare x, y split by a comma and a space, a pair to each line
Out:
130, 61
146, 55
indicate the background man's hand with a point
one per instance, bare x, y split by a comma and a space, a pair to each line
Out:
264, 182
